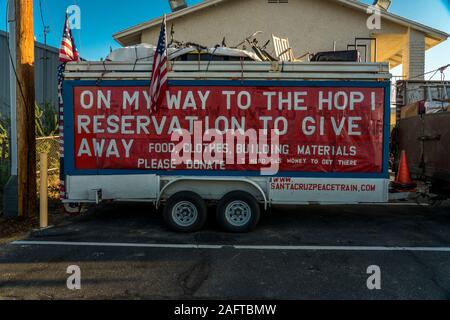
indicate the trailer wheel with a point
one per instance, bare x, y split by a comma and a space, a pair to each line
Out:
185, 212
72, 209
238, 212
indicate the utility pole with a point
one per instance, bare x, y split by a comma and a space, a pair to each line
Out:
26, 135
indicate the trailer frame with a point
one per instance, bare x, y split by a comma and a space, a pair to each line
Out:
159, 187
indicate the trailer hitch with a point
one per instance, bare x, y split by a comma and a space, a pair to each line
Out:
96, 195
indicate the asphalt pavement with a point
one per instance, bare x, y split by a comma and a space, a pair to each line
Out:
124, 251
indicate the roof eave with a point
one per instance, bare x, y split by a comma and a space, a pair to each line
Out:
154, 22
37, 44
438, 34
400, 20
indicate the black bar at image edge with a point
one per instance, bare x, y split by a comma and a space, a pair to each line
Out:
211, 309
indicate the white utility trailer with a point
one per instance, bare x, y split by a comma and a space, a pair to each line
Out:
326, 127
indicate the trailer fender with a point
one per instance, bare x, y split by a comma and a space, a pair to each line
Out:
240, 180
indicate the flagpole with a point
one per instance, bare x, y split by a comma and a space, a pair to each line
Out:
160, 68
165, 28
166, 43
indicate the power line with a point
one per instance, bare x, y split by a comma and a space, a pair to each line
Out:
42, 15
45, 27
440, 69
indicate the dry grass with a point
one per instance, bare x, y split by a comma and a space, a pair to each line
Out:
13, 229
19, 228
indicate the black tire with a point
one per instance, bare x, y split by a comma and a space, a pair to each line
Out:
185, 212
246, 216
72, 209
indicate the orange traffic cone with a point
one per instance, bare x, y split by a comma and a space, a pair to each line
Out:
404, 181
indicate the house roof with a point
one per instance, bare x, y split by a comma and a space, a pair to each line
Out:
134, 32
37, 44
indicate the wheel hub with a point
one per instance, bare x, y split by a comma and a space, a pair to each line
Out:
185, 213
238, 213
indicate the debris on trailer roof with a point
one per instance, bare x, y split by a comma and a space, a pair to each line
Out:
249, 49
145, 53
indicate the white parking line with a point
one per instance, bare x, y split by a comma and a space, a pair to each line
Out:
233, 247
117, 245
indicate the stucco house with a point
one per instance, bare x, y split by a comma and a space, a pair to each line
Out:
310, 25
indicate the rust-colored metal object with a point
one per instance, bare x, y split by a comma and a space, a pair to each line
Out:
426, 139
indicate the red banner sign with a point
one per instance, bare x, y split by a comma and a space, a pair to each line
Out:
318, 129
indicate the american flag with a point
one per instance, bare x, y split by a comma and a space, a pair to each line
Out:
158, 85
68, 51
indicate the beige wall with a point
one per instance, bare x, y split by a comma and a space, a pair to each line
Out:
310, 25
414, 56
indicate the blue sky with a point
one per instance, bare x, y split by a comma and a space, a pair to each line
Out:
101, 18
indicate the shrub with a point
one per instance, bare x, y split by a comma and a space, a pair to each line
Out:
46, 121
